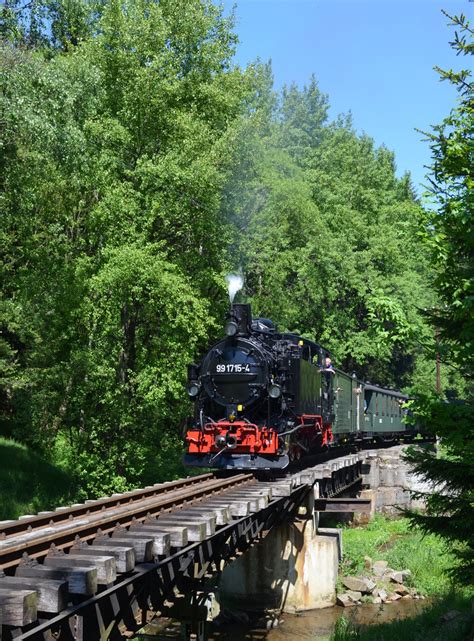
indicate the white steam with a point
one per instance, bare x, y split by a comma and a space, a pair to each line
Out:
235, 282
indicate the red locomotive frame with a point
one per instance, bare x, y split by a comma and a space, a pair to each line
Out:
247, 438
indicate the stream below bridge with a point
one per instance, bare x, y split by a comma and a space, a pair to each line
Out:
313, 625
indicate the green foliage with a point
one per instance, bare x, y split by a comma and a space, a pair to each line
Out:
327, 235
115, 126
449, 235
29, 483
451, 474
52, 24
449, 230
404, 547
137, 165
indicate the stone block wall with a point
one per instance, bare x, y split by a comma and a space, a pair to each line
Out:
391, 480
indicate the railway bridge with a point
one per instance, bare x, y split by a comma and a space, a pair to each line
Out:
103, 569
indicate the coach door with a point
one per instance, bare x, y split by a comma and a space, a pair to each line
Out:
343, 402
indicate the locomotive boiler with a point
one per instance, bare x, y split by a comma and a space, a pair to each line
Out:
263, 399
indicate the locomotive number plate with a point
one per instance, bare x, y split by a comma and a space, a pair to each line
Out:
232, 368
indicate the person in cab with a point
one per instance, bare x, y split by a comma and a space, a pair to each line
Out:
328, 366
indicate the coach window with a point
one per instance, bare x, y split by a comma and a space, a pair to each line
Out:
376, 404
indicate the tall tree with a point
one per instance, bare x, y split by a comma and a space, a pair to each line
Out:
114, 151
449, 233
330, 246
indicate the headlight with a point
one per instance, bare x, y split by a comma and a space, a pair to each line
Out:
193, 389
231, 441
220, 441
274, 391
231, 328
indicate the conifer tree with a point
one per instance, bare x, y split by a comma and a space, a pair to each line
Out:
450, 235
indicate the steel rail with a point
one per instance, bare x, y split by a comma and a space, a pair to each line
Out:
65, 514
102, 619
115, 606
85, 520
36, 543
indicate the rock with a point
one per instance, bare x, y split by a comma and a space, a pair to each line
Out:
396, 577
379, 567
371, 585
402, 590
367, 562
449, 616
406, 574
382, 594
394, 597
358, 584
355, 596
376, 600
344, 600
406, 597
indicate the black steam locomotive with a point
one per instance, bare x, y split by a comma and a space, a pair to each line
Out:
264, 399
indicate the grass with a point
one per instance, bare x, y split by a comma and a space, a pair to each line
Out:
404, 547
429, 560
29, 483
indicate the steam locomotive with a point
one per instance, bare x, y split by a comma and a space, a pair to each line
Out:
264, 399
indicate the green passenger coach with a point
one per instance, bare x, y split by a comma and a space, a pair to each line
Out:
362, 410
383, 410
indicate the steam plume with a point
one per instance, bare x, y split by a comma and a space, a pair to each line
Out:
235, 282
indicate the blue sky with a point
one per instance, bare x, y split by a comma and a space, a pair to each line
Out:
374, 58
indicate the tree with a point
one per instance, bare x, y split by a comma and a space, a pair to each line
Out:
326, 235
114, 151
449, 233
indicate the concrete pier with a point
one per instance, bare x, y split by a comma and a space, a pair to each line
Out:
292, 569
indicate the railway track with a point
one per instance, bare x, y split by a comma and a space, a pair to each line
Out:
52, 561
35, 534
